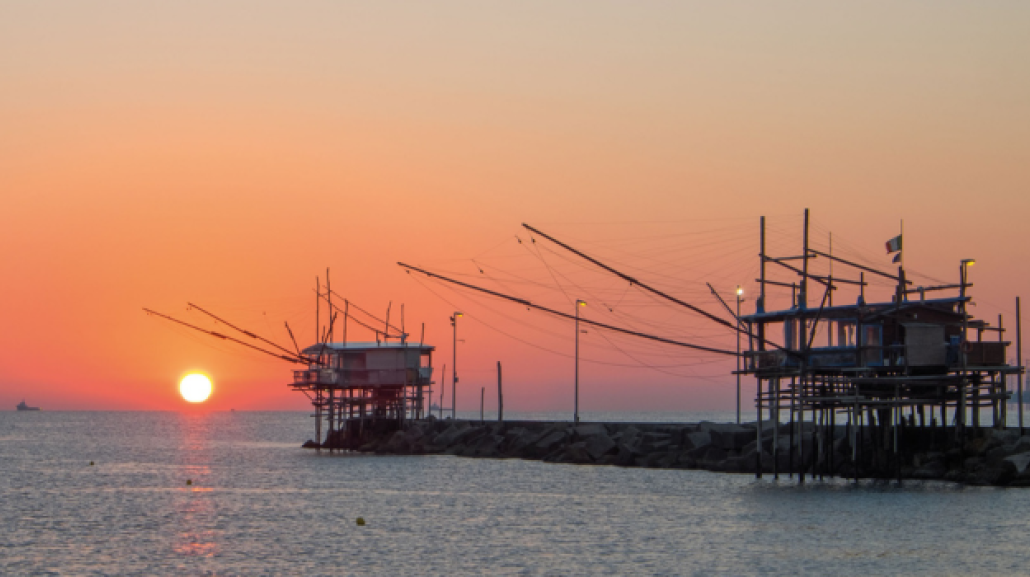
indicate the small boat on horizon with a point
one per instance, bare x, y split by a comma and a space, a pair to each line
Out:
23, 407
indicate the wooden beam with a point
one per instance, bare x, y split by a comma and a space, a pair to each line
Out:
858, 266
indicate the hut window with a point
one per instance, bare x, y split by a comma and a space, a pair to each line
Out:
845, 333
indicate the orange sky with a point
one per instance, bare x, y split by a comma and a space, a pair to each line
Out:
226, 153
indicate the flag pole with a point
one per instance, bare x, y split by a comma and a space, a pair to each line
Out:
902, 243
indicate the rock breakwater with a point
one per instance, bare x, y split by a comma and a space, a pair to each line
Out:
991, 457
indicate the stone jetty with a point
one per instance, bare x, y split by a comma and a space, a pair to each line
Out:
989, 457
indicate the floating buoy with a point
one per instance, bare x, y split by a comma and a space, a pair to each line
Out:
91, 463
361, 521
189, 481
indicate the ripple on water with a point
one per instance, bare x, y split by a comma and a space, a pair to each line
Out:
261, 505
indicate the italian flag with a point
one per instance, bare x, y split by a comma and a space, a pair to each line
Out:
894, 244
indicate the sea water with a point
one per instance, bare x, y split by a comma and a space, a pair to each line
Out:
258, 504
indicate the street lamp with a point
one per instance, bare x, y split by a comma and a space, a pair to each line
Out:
579, 303
740, 294
963, 273
454, 367
960, 409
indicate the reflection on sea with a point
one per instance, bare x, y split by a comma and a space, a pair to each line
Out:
196, 507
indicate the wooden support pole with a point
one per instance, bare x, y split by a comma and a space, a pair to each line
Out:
803, 296
897, 423
776, 431
329, 301
758, 428
790, 440
833, 438
1019, 362
500, 395
853, 419
443, 390
1000, 405
318, 420
801, 428
761, 286
346, 315
443, 387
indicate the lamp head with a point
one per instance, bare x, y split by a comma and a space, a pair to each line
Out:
581, 303
740, 290
968, 261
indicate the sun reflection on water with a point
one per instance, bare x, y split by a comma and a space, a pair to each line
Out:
195, 508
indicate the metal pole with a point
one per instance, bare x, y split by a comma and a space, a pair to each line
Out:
454, 369
575, 414
738, 357
960, 408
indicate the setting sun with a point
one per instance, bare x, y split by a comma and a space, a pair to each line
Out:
195, 387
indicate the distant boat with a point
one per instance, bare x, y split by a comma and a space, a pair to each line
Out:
23, 407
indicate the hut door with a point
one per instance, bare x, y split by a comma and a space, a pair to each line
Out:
872, 345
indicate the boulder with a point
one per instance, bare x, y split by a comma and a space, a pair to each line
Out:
1004, 436
654, 441
487, 446
545, 444
591, 429
932, 470
728, 436
471, 435
685, 461
599, 445
629, 436
625, 455
1023, 442
515, 441
993, 475
448, 436
767, 445
711, 456
395, 444
666, 460
698, 439
747, 462
1019, 461
456, 450
574, 453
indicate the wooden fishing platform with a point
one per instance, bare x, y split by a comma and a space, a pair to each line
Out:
879, 368
361, 389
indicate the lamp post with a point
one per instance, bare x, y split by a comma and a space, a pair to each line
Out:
740, 293
454, 367
961, 416
575, 416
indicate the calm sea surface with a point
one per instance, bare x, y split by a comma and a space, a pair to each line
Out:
259, 504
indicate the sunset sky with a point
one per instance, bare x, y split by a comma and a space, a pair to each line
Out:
227, 153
